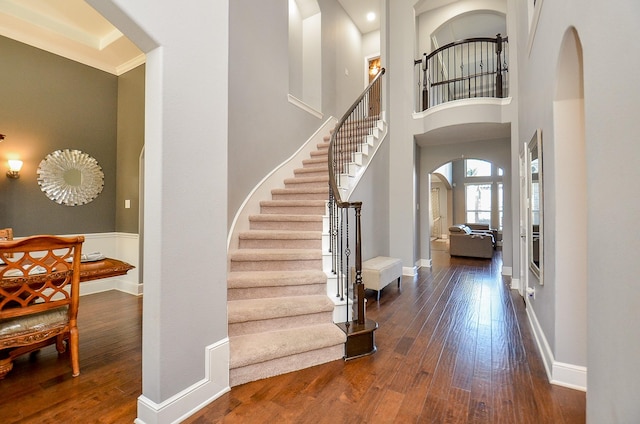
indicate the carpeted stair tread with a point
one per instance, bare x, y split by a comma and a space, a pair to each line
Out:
280, 239
303, 180
277, 307
298, 206
319, 153
317, 193
256, 348
286, 222
293, 202
315, 161
249, 279
257, 255
286, 217
280, 235
299, 190
310, 170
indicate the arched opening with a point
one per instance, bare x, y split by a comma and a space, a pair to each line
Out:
570, 215
480, 23
305, 53
465, 191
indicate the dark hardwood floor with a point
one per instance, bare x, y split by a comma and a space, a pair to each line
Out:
454, 346
40, 389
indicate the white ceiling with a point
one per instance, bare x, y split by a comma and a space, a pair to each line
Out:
357, 11
72, 29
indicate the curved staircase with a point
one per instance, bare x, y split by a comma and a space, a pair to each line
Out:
280, 317
281, 309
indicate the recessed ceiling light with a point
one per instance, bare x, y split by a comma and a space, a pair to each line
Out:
371, 16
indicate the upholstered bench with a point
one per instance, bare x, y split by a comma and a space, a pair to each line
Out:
378, 272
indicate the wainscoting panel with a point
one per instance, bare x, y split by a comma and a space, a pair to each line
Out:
122, 246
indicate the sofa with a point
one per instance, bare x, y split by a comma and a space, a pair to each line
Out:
475, 244
478, 228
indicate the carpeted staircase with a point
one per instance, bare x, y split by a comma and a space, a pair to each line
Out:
281, 311
280, 317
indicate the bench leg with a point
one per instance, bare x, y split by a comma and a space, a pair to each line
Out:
399, 286
379, 295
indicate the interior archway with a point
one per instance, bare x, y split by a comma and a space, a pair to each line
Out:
448, 197
570, 215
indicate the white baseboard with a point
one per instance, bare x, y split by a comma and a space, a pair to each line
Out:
558, 373
515, 285
410, 271
507, 270
424, 263
568, 375
189, 401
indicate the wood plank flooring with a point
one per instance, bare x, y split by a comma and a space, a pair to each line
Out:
40, 389
453, 347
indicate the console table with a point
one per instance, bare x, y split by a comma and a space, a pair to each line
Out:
105, 268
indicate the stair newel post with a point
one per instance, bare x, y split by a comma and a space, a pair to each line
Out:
358, 264
499, 67
344, 224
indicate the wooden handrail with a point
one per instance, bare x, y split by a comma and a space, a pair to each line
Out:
464, 41
359, 119
332, 175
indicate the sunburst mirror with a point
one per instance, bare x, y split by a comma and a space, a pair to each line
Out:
70, 177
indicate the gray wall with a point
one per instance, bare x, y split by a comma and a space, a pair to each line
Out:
373, 192
611, 128
130, 144
264, 128
50, 103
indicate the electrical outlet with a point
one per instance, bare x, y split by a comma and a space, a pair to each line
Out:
531, 292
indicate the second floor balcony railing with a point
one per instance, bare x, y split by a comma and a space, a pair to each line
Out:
475, 67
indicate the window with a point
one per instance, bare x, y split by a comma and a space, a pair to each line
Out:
500, 206
483, 193
477, 168
478, 203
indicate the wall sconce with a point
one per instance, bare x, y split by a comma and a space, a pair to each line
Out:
14, 168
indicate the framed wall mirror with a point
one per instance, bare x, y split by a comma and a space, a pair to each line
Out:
70, 177
535, 195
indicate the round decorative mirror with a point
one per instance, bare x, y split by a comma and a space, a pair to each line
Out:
70, 177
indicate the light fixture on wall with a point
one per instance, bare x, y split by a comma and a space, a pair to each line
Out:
2, 136
15, 166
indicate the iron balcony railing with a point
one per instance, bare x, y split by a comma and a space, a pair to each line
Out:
475, 67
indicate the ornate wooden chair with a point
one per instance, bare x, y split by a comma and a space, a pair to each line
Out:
6, 234
39, 296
